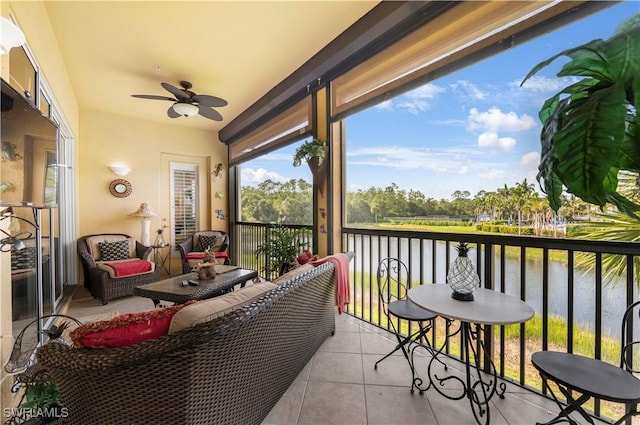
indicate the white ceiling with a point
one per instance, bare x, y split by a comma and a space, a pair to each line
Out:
237, 50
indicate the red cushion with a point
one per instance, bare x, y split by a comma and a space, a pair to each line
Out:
126, 268
126, 329
200, 255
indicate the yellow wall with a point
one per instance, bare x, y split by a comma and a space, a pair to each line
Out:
109, 139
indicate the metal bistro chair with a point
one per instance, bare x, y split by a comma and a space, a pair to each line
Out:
392, 279
592, 377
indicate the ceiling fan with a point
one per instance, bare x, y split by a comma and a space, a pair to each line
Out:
187, 103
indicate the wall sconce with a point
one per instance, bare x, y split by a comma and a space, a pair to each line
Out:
120, 170
14, 241
10, 35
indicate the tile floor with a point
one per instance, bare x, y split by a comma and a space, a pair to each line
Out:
341, 386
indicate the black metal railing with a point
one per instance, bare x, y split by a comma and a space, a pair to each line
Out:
251, 235
577, 306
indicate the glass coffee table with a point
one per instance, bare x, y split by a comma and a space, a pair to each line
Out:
178, 289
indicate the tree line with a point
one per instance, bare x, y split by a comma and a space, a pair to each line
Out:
291, 203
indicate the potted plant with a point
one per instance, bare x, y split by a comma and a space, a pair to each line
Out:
281, 247
590, 128
42, 399
313, 152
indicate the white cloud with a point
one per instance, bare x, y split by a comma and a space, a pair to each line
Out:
491, 140
251, 177
495, 120
541, 84
414, 101
491, 174
414, 107
387, 104
530, 159
469, 88
457, 161
428, 91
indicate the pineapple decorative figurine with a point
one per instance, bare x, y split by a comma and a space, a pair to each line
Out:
462, 276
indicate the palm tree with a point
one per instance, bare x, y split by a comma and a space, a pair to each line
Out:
616, 226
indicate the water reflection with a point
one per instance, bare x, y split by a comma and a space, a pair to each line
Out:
420, 255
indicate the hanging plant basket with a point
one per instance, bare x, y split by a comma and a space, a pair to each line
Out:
318, 171
314, 153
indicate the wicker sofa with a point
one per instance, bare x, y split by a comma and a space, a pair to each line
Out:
229, 370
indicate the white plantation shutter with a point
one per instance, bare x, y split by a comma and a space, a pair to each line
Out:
184, 200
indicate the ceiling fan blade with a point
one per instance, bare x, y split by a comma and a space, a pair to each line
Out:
207, 112
152, 96
206, 100
172, 113
179, 94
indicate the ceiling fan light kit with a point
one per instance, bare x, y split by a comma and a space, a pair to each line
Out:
185, 109
187, 103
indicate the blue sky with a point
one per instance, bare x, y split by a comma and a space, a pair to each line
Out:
473, 130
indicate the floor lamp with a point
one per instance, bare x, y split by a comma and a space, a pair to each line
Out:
145, 212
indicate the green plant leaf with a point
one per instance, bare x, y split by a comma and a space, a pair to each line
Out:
587, 67
589, 49
623, 55
588, 140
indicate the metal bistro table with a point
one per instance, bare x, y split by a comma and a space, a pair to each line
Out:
173, 290
488, 308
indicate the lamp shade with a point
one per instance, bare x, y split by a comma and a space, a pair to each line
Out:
10, 35
186, 109
145, 211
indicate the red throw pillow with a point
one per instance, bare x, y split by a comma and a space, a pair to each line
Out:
126, 329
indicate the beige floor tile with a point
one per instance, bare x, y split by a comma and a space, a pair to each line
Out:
287, 410
337, 367
330, 403
376, 343
394, 405
394, 371
342, 342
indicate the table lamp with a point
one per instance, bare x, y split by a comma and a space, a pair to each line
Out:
145, 212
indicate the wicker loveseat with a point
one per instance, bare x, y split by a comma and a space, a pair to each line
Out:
101, 282
229, 370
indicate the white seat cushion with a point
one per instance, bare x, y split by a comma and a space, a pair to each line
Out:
204, 311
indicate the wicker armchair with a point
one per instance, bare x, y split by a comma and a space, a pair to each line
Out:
99, 281
191, 253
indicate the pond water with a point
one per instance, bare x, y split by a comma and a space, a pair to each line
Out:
369, 251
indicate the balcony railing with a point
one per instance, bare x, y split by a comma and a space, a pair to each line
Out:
577, 308
251, 235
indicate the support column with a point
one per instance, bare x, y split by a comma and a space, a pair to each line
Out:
328, 212
321, 199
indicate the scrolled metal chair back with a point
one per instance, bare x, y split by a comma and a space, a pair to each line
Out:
630, 343
392, 276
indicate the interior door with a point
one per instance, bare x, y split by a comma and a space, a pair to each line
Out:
186, 201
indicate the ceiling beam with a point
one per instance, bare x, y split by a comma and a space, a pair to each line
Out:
386, 23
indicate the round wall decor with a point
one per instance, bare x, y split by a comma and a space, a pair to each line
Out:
120, 188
